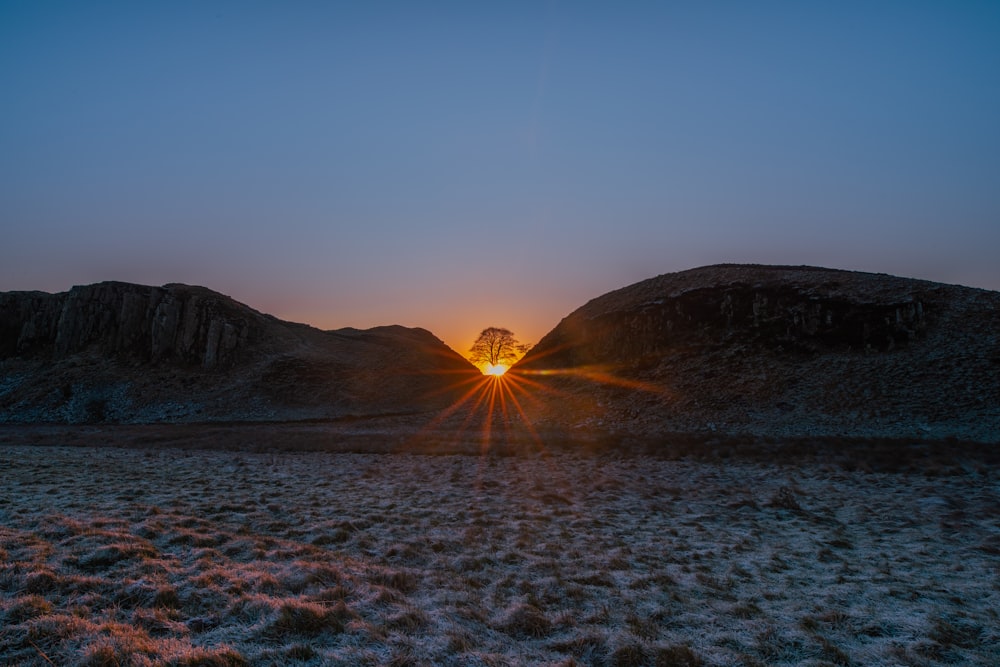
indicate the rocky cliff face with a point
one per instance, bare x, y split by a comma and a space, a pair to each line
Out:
123, 352
178, 324
780, 350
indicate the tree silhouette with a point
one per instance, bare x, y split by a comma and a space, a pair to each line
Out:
496, 346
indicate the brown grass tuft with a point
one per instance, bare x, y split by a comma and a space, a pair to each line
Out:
222, 656
297, 617
525, 621
42, 581
629, 655
461, 560
400, 580
676, 656
26, 608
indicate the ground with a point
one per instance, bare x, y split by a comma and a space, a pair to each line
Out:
113, 556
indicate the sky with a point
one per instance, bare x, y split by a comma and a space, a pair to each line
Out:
457, 165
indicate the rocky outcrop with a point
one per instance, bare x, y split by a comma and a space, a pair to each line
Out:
175, 324
132, 353
803, 309
779, 350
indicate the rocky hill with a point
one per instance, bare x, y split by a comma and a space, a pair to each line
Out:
774, 351
119, 352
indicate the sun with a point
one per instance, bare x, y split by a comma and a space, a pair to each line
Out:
496, 370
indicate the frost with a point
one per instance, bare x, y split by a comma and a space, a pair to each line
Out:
147, 556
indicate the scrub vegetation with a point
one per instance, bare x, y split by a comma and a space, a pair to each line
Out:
112, 556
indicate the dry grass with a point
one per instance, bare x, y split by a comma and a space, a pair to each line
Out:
145, 557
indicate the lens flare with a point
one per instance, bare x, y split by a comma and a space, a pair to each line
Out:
495, 408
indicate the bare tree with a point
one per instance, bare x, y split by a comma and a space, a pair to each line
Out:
496, 346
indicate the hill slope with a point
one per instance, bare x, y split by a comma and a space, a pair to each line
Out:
775, 351
133, 353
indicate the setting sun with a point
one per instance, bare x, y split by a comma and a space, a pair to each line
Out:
495, 350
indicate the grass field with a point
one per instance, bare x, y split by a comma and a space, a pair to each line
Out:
129, 556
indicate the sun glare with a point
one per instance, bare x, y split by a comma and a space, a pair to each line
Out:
495, 370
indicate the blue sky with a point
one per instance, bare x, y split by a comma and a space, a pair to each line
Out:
460, 165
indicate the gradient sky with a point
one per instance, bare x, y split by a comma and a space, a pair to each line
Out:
460, 165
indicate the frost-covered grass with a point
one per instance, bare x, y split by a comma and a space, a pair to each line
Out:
125, 556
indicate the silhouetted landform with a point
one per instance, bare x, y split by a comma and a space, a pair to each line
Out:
118, 352
719, 351
774, 351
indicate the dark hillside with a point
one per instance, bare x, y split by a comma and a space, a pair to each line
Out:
777, 351
133, 353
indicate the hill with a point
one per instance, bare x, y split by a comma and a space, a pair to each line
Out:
119, 352
774, 351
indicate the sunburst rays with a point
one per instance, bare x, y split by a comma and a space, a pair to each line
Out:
497, 413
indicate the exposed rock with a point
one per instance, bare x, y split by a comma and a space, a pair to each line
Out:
778, 351
132, 353
721, 350
176, 323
